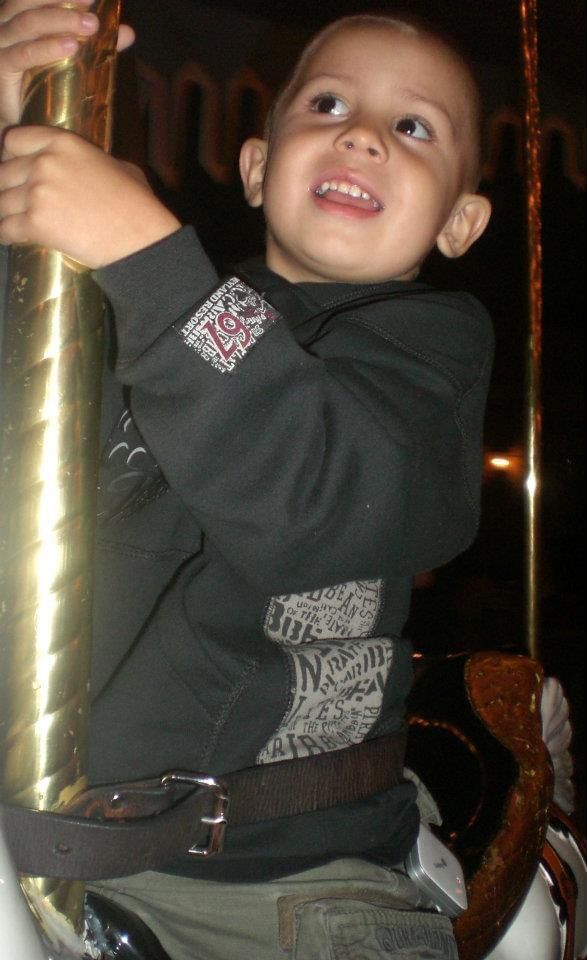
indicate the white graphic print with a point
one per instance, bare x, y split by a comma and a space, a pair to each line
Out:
124, 450
344, 610
338, 689
226, 327
339, 670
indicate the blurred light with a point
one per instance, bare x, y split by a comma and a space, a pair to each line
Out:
509, 463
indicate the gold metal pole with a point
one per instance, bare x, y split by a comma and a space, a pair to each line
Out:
528, 19
50, 410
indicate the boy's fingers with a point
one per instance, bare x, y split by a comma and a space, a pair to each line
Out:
11, 8
25, 19
34, 33
13, 173
12, 203
24, 141
35, 53
35, 37
44, 21
126, 37
13, 229
13, 200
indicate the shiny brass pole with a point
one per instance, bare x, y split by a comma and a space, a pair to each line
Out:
50, 408
528, 18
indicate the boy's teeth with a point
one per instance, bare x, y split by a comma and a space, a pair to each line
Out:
343, 186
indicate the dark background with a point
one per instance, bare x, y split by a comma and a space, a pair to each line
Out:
478, 601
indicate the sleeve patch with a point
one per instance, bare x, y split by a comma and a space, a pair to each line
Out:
228, 325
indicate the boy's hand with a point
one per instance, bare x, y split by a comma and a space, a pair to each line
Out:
60, 191
34, 33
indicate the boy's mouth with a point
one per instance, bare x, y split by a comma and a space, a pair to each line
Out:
344, 191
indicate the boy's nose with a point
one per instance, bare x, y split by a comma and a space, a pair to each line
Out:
362, 138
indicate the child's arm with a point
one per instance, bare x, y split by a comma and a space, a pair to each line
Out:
304, 466
59, 191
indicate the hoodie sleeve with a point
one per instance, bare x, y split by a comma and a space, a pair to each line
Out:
354, 456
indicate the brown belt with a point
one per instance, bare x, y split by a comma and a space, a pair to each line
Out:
122, 829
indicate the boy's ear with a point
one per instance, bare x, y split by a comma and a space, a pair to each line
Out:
468, 220
252, 161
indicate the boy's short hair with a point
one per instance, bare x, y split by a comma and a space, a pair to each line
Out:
409, 25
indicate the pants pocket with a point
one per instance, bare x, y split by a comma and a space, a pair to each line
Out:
354, 930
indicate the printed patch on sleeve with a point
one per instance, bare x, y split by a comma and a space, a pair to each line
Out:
228, 325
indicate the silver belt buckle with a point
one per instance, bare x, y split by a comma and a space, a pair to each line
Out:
218, 820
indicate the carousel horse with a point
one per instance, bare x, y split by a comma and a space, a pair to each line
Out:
489, 738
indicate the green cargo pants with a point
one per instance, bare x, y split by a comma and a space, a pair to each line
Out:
347, 910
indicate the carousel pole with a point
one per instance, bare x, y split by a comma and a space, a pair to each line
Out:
533, 480
50, 409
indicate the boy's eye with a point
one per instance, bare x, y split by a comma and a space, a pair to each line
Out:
328, 103
412, 127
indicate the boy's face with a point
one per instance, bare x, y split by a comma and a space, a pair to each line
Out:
366, 168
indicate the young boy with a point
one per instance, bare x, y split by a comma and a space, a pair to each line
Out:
283, 451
